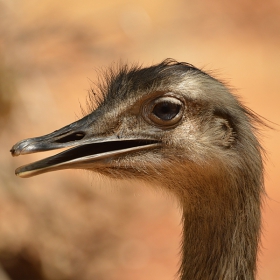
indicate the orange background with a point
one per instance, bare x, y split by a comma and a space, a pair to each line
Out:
69, 224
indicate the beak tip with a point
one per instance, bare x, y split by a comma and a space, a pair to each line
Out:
17, 172
17, 149
14, 152
20, 174
23, 147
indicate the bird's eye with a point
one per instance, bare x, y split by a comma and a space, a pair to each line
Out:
164, 111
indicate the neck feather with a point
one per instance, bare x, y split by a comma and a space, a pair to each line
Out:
221, 228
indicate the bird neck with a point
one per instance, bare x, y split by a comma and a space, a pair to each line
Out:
221, 226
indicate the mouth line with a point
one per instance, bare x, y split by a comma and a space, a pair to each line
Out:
97, 148
83, 156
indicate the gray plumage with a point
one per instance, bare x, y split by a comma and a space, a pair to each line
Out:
176, 127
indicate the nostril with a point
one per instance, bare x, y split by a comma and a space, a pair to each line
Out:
72, 137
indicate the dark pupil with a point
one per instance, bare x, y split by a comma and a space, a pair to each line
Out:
166, 111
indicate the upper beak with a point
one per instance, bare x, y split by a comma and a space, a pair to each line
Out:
88, 148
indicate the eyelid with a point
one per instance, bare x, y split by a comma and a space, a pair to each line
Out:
167, 99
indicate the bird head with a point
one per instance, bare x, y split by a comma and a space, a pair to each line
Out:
152, 123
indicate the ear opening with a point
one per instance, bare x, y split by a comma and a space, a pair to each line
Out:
226, 130
227, 138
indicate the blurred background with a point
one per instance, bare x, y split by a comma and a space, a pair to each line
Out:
70, 224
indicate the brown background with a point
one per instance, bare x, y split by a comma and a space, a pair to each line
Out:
72, 224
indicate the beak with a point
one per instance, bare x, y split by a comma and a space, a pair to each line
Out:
88, 148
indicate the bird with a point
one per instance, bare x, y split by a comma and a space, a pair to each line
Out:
180, 129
